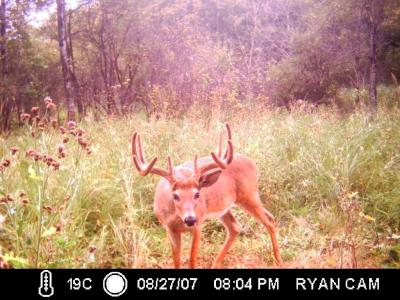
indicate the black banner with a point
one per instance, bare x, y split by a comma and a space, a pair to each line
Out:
124, 284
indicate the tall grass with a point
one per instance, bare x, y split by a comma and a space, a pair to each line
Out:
332, 182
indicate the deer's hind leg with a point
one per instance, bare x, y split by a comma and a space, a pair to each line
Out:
254, 206
233, 229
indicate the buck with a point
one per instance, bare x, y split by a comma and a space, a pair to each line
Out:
206, 188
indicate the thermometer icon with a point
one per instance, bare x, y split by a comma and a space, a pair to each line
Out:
46, 284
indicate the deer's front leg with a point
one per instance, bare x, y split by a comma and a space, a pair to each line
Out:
175, 238
196, 236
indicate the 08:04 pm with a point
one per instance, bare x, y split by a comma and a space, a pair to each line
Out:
246, 283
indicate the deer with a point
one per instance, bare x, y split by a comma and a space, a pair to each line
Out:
208, 187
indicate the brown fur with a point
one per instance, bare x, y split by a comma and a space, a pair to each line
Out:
237, 185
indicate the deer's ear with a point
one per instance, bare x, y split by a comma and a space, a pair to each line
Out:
209, 179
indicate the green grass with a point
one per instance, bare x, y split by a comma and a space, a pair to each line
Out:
332, 181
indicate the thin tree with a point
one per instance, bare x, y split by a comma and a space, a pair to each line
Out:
6, 103
375, 15
64, 57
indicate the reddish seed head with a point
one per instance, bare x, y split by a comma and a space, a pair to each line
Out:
22, 194
62, 130
65, 140
55, 165
37, 157
92, 248
30, 152
53, 123
47, 100
47, 208
82, 142
25, 201
34, 110
6, 163
71, 124
3, 200
48, 160
80, 132
25, 117
58, 227
61, 148
67, 197
51, 106
14, 150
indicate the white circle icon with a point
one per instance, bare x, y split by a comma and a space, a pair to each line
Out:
115, 284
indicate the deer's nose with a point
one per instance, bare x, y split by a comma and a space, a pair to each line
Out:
190, 221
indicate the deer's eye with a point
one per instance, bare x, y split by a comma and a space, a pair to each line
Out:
197, 196
175, 196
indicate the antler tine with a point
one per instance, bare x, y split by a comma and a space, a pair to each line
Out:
138, 158
170, 167
149, 168
229, 156
134, 151
228, 129
218, 160
228, 159
195, 165
140, 163
139, 144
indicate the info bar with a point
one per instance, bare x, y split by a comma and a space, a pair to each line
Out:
131, 283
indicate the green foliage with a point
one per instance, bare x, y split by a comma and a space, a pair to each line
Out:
331, 181
350, 99
175, 71
167, 56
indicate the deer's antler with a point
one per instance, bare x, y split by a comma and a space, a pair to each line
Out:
220, 161
146, 168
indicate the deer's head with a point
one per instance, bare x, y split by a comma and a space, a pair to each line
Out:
186, 186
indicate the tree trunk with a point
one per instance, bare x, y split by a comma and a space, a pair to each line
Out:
3, 41
66, 69
6, 103
70, 52
357, 58
372, 72
373, 27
